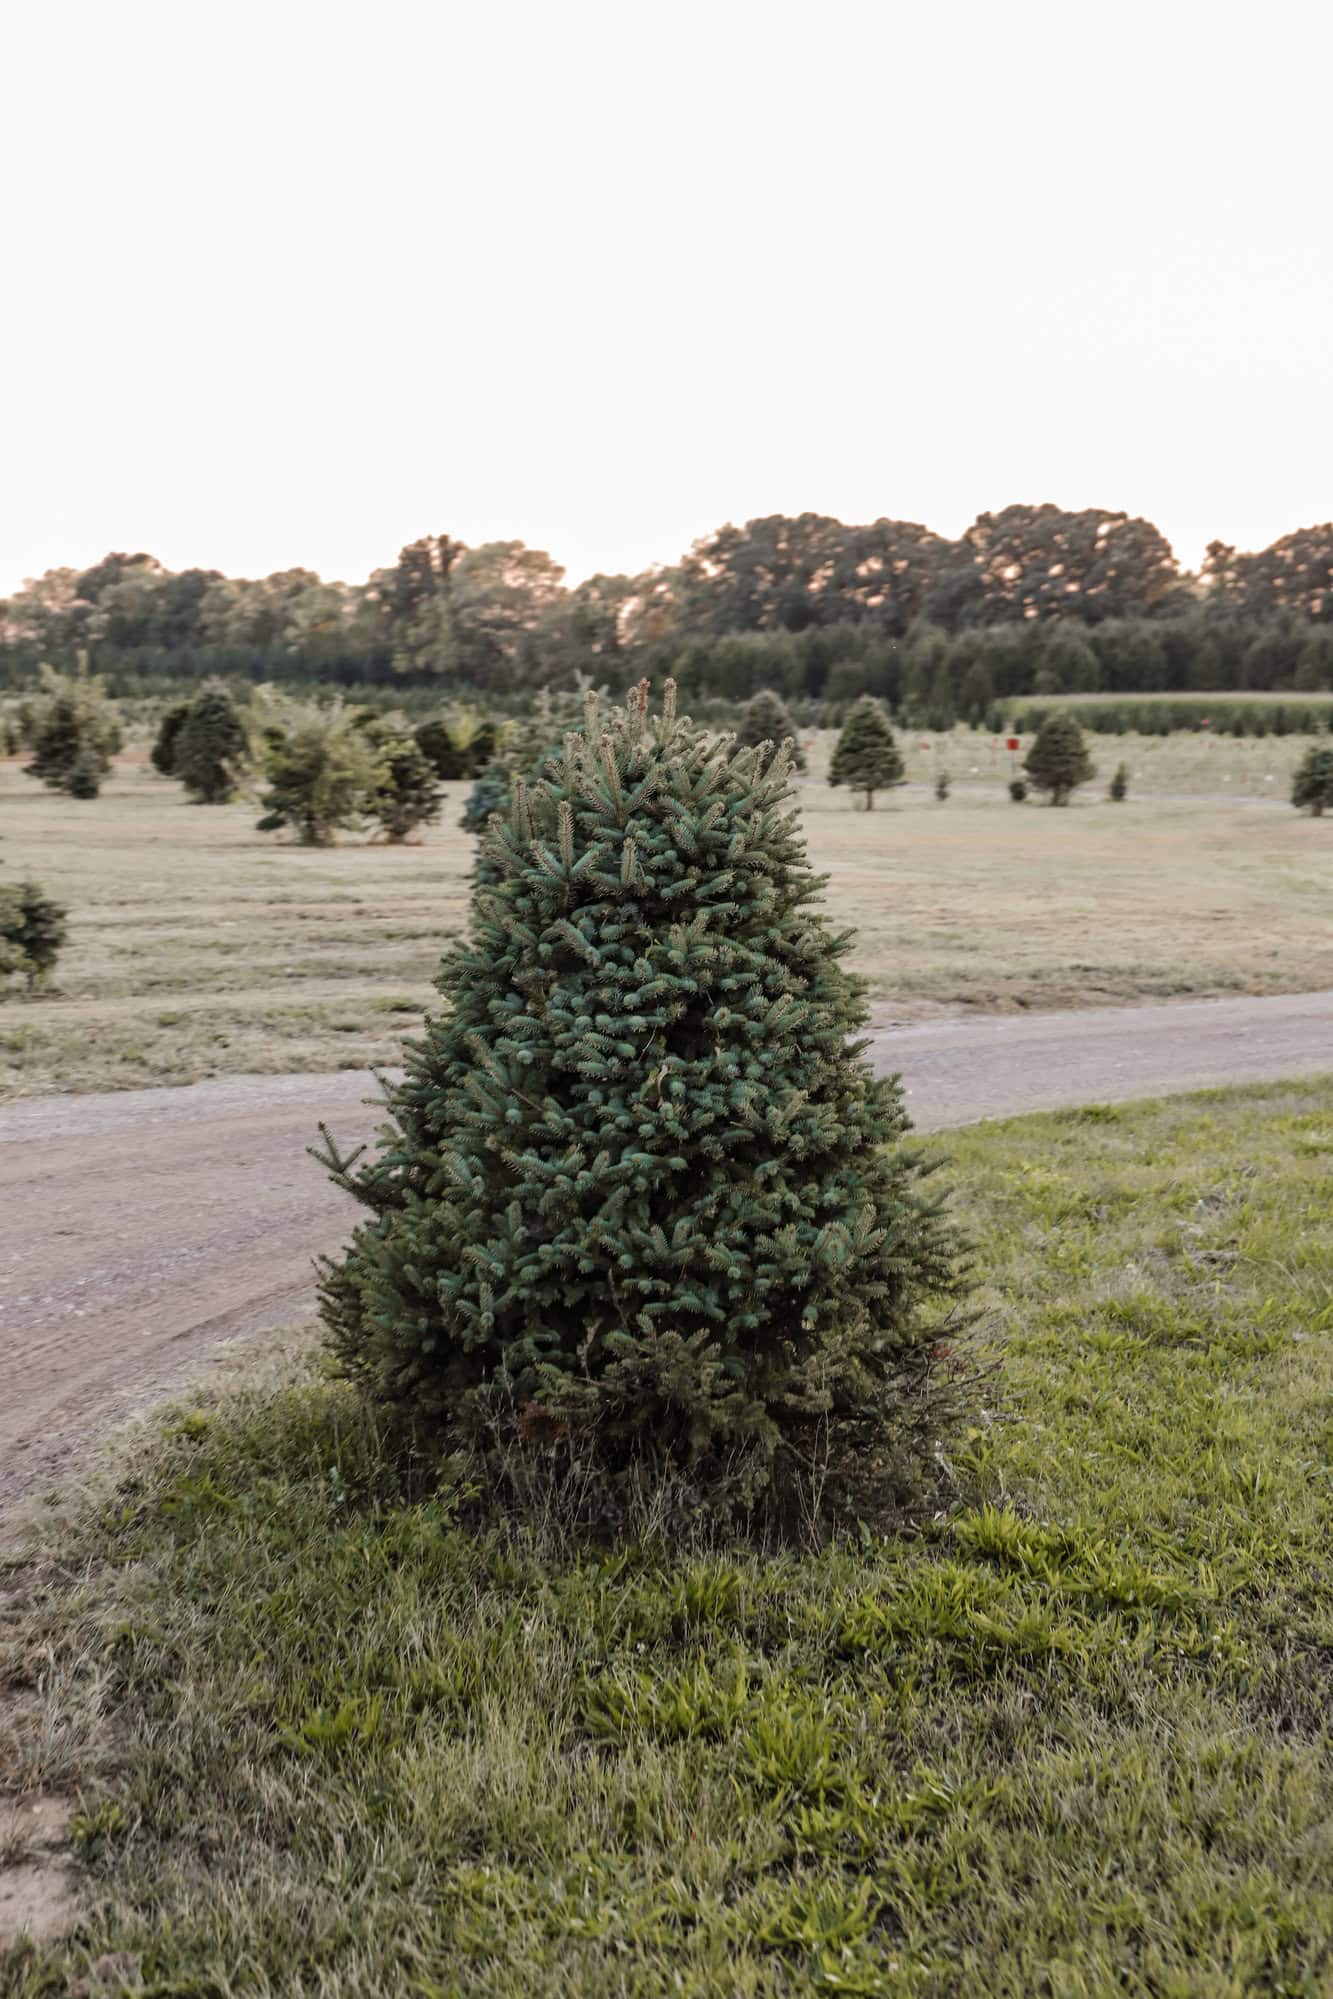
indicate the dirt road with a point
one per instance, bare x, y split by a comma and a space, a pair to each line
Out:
143, 1227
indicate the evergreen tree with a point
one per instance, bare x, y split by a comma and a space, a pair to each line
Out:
1312, 786
435, 740
639, 1192
942, 786
409, 794
520, 750
865, 755
212, 749
1119, 788
168, 729
72, 729
1058, 761
482, 745
32, 931
766, 720
85, 776
324, 773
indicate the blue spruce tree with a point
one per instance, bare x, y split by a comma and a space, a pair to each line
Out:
641, 1199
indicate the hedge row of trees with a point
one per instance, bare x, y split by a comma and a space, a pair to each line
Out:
1030, 600
1165, 718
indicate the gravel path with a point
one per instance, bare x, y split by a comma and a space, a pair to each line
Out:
145, 1226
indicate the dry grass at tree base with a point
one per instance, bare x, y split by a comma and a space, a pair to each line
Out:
1068, 1737
199, 947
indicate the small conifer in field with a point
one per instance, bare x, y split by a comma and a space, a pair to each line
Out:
73, 733
324, 772
435, 739
85, 773
942, 786
642, 1201
408, 794
766, 720
1018, 790
1312, 786
168, 729
1058, 761
1119, 786
32, 931
866, 756
481, 746
212, 751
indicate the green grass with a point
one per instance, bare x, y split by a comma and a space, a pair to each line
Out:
1068, 1737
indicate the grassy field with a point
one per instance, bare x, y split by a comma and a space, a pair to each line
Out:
199, 947
1068, 1736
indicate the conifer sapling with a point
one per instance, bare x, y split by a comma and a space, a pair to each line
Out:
168, 729
865, 756
408, 794
32, 931
1058, 761
766, 720
639, 1191
1312, 786
211, 752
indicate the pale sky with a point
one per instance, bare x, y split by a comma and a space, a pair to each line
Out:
293, 283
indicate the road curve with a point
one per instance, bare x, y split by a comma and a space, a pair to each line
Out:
144, 1226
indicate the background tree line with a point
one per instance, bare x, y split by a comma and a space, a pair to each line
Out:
1029, 601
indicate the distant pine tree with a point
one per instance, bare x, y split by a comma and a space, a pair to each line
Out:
168, 729
1058, 761
212, 750
642, 1196
1119, 786
73, 732
84, 778
766, 720
480, 747
324, 772
1312, 786
408, 795
32, 931
435, 740
865, 756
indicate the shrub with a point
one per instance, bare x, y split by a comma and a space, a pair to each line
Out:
85, 776
32, 931
767, 720
437, 744
642, 1204
1119, 786
163, 753
1312, 786
482, 745
408, 794
520, 751
212, 750
865, 755
73, 733
323, 770
1058, 761
942, 786
1018, 790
